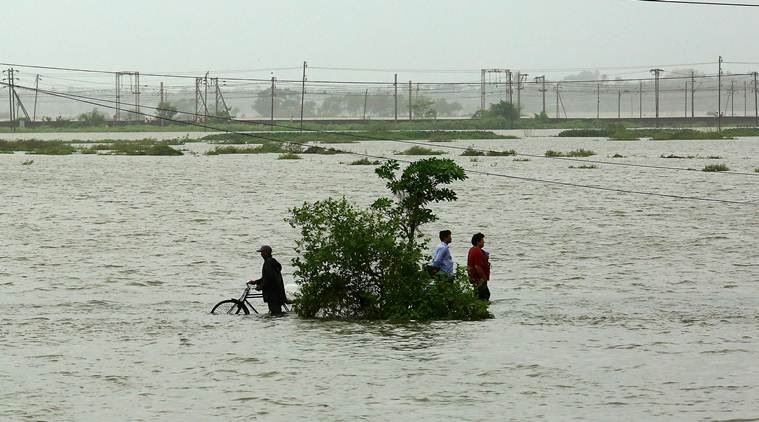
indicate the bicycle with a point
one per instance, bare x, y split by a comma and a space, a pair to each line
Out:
240, 306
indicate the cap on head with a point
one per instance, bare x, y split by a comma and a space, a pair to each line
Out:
264, 248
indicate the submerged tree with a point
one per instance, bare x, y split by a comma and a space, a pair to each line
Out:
365, 263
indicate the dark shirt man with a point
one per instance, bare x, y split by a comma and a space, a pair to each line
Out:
270, 283
478, 266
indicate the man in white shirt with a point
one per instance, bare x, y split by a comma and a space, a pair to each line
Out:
441, 257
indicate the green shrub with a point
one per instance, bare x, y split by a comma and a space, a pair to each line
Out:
576, 153
288, 156
419, 150
501, 153
471, 152
584, 166
364, 263
36, 146
364, 162
716, 167
583, 133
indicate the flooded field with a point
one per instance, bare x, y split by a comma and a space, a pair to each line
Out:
608, 306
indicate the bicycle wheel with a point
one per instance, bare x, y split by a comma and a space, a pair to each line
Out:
231, 307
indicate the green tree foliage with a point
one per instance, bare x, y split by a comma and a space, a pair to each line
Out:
422, 108
417, 186
359, 263
93, 118
286, 104
166, 110
501, 109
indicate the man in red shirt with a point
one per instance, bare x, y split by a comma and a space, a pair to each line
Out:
478, 266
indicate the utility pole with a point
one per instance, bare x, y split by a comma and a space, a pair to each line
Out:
732, 98
511, 91
482, 92
205, 97
409, 101
216, 99
272, 103
302, 95
619, 103
692, 94
640, 100
137, 93
686, 98
557, 101
366, 97
719, 96
520, 77
117, 117
656, 73
11, 105
745, 98
162, 103
196, 117
542, 79
598, 101
395, 86
36, 91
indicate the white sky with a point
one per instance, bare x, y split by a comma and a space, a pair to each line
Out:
531, 35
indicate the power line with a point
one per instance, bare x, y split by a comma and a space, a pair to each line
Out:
702, 3
355, 136
521, 178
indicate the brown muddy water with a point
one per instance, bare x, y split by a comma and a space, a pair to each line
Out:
608, 306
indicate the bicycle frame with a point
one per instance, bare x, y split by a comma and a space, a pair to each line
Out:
246, 294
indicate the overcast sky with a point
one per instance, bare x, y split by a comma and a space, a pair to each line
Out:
532, 35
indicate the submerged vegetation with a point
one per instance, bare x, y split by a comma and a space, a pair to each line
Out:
575, 153
349, 137
364, 162
716, 167
35, 146
584, 166
288, 156
418, 150
471, 152
365, 263
109, 147
620, 133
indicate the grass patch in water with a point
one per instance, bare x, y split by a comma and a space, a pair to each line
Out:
575, 153
521, 159
36, 146
583, 133
27, 162
350, 137
506, 153
618, 156
137, 147
288, 156
364, 162
471, 152
691, 157
716, 167
268, 148
584, 167
417, 150
322, 150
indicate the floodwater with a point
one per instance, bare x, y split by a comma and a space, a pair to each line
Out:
608, 306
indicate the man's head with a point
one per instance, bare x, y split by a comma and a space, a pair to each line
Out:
445, 236
265, 251
478, 240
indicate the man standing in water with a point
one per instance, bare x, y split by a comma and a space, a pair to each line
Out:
441, 257
270, 283
478, 266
